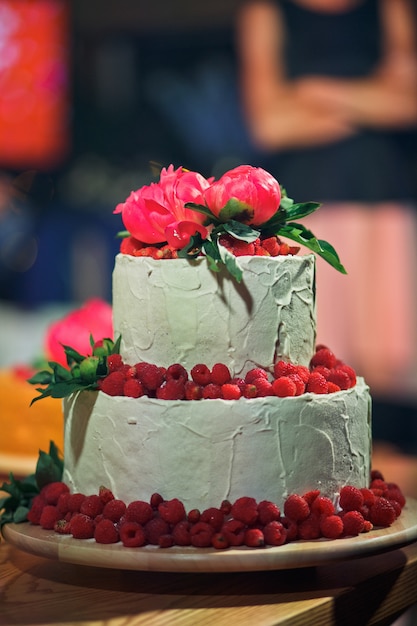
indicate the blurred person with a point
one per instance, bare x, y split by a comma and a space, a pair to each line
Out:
329, 92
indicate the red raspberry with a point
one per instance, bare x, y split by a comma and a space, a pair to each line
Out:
368, 497
332, 387
92, 506
114, 510
49, 516
138, 511
322, 506
156, 500
284, 387
193, 516
254, 538
349, 371
106, 532
151, 376
130, 245
331, 526
284, 248
154, 529
317, 383
214, 517
226, 507
62, 503
310, 496
367, 527
268, 512
220, 374
219, 541
114, 362
382, 513
212, 392
255, 373
380, 485
283, 368
172, 511
75, 501
299, 383
81, 526
320, 369
323, 356
52, 491
177, 372
201, 535
166, 541
132, 535
201, 374
376, 474
395, 493
234, 532
309, 528
62, 527
36, 508
396, 506
193, 391
340, 378
105, 494
275, 534
171, 389
296, 508
249, 391
351, 498
291, 528
113, 384
271, 245
263, 387
303, 372
181, 533
231, 392
353, 523
242, 248
245, 510
133, 388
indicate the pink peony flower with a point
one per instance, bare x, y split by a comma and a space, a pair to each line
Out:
247, 194
153, 213
93, 318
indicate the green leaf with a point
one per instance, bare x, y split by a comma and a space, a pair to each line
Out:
60, 372
300, 234
72, 355
201, 208
241, 231
300, 210
122, 234
47, 470
235, 209
20, 514
41, 378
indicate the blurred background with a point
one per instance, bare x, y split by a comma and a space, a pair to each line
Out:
93, 93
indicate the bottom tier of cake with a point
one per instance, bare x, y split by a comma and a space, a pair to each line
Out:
204, 452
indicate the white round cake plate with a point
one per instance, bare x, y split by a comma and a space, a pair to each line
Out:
293, 555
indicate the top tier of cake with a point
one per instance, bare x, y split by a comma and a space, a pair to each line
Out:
177, 311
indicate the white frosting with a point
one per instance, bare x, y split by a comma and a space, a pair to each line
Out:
176, 311
205, 451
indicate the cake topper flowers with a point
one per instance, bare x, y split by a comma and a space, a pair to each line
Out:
186, 215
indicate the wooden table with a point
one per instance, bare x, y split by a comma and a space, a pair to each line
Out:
371, 590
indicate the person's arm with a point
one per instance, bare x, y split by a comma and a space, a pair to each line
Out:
278, 116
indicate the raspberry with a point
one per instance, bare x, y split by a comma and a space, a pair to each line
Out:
234, 532
220, 374
193, 391
213, 516
92, 506
114, 362
283, 368
154, 529
316, 383
181, 533
254, 538
201, 534
249, 391
268, 512
275, 534
113, 384
132, 535
75, 501
296, 508
332, 387
320, 369
340, 378
219, 541
299, 384
331, 526
322, 506
172, 511
376, 474
255, 373
368, 497
193, 516
226, 507
156, 500
36, 508
310, 496
291, 528
242, 248
138, 511
231, 392
130, 245
271, 245
367, 527
166, 541
49, 516
309, 528
106, 532
212, 392
62, 527
133, 388
395, 493
323, 356
380, 485
81, 526
263, 387
353, 523
349, 371
105, 494
176, 372
114, 510
245, 510
303, 372
201, 374
172, 389
351, 498
382, 513
151, 376
284, 387
52, 491
396, 506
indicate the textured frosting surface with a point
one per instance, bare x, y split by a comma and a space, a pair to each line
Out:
174, 311
205, 452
